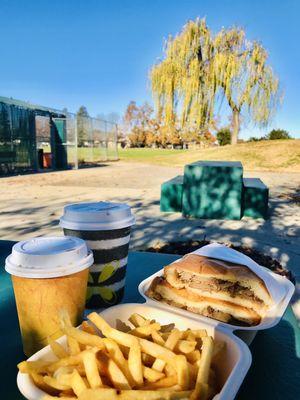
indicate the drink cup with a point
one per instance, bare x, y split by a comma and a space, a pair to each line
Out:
49, 274
106, 229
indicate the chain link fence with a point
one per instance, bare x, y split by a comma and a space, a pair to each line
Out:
34, 138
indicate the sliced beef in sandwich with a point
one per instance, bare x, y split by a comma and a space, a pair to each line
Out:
213, 288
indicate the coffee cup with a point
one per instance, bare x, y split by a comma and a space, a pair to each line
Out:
49, 274
106, 229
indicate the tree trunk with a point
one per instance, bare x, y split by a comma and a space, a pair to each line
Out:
235, 126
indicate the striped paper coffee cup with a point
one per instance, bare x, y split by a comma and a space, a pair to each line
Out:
110, 247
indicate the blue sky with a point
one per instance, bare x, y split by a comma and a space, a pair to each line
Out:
98, 53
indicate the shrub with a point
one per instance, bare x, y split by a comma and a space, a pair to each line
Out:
256, 139
276, 134
224, 136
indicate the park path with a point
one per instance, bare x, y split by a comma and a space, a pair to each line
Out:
31, 205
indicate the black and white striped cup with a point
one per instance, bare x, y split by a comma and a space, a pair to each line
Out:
110, 247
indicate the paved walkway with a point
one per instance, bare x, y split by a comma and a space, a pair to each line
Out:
31, 205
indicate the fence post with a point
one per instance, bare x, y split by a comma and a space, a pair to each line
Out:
75, 142
116, 142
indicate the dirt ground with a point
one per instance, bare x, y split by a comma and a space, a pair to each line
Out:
32, 204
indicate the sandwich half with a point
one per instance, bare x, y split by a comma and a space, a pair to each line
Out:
224, 291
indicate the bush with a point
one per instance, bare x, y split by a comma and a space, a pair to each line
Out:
224, 136
256, 139
276, 134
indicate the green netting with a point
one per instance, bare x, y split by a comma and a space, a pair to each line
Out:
29, 132
17, 138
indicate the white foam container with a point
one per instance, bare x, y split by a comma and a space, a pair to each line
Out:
231, 369
247, 333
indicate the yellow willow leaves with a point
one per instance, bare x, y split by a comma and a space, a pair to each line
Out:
197, 65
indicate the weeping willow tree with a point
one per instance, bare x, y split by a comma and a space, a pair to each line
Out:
183, 83
247, 81
197, 66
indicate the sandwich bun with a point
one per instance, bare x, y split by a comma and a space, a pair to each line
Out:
209, 268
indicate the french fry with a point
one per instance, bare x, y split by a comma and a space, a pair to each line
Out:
39, 366
185, 346
125, 339
147, 360
151, 375
183, 376
86, 327
145, 330
63, 375
197, 333
77, 383
162, 383
172, 339
135, 364
73, 346
156, 337
84, 337
116, 376
170, 343
111, 394
169, 370
156, 351
50, 381
200, 390
57, 349
68, 361
159, 365
49, 397
120, 337
124, 349
99, 394
91, 369
38, 380
137, 320
193, 356
191, 336
116, 354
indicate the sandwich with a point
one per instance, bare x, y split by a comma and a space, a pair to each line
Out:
214, 288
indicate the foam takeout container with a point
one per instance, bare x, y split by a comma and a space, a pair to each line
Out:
231, 369
247, 333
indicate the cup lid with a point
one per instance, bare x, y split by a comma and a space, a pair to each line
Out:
49, 257
97, 216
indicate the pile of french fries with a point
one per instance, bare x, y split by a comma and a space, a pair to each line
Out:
145, 361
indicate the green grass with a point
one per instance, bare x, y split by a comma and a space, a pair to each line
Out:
273, 155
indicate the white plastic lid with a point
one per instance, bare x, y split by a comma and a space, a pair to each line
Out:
49, 257
97, 216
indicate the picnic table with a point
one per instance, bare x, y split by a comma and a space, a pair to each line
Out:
275, 369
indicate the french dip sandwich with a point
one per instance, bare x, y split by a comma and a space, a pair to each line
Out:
218, 289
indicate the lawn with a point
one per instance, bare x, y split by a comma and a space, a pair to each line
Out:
275, 155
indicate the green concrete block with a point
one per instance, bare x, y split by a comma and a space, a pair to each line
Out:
171, 195
213, 189
255, 198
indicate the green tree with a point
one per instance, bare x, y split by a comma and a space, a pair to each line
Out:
276, 134
83, 123
198, 65
224, 136
246, 79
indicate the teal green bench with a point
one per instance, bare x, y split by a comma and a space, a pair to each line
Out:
213, 189
255, 198
171, 195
